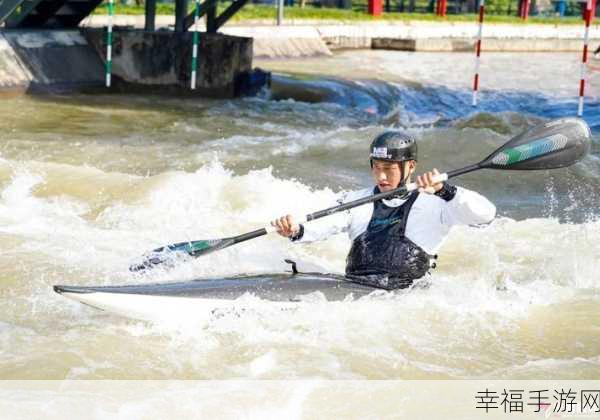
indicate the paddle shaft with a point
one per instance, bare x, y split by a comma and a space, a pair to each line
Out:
346, 206
398, 191
369, 199
351, 204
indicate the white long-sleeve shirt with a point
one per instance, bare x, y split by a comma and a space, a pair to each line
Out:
428, 224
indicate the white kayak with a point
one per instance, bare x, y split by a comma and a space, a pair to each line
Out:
202, 299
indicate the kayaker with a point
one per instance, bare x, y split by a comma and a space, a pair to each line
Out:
394, 241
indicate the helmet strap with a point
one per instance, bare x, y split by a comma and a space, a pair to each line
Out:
403, 176
401, 164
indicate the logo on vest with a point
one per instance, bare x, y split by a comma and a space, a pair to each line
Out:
375, 223
380, 152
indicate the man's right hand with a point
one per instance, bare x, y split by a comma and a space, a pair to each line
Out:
285, 226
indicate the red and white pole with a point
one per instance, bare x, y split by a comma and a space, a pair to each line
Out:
524, 12
442, 8
584, 58
478, 52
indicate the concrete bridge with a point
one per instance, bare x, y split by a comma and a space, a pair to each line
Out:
64, 14
56, 14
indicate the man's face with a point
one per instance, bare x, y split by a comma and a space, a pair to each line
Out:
388, 175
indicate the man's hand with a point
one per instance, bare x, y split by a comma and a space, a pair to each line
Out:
285, 226
425, 182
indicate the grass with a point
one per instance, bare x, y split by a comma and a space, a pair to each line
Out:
267, 12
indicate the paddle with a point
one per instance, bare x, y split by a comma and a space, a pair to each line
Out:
553, 144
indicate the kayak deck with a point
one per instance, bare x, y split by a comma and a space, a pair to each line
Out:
279, 287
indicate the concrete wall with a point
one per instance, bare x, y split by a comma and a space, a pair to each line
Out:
293, 41
302, 37
282, 41
160, 61
438, 30
13, 73
163, 59
425, 36
269, 42
47, 59
488, 45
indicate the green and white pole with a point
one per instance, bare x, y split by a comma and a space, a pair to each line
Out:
195, 42
279, 12
109, 40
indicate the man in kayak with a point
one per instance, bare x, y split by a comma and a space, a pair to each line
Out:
394, 241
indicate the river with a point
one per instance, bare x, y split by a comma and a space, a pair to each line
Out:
90, 182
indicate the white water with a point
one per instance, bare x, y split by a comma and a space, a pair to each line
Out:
491, 308
119, 176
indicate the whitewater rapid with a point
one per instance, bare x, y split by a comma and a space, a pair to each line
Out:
88, 184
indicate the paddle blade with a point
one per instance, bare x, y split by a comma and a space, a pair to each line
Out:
554, 144
169, 255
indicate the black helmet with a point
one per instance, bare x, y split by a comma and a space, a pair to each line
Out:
395, 146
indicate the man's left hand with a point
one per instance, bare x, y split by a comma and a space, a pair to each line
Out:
426, 184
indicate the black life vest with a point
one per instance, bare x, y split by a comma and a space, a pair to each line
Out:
382, 256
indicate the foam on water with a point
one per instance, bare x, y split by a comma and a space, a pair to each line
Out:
122, 176
489, 282
214, 202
